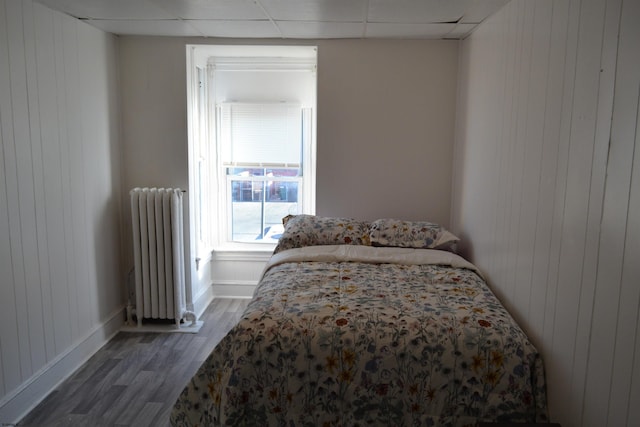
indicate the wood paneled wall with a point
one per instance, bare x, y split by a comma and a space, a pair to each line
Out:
62, 286
547, 191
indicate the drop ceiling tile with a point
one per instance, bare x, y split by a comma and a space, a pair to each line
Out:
480, 10
111, 9
316, 10
417, 11
237, 29
212, 9
320, 30
416, 31
176, 28
295, 18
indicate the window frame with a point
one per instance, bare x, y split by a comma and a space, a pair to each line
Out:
220, 199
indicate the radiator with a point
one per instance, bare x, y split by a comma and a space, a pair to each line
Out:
158, 249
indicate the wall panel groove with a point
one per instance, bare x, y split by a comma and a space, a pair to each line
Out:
631, 272
12, 176
8, 326
77, 180
41, 297
34, 278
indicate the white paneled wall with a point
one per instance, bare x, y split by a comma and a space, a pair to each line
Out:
547, 191
61, 294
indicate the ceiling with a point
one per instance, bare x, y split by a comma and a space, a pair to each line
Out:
297, 19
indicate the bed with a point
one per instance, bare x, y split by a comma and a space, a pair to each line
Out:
368, 323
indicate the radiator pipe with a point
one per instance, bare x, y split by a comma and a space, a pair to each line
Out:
190, 315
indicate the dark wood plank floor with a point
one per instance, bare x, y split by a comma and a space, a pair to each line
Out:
136, 377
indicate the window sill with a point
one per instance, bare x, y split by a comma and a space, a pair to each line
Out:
240, 252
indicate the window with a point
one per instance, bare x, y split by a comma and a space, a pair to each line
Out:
255, 162
261, 149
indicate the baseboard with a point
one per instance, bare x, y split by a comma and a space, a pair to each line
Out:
233, 289
202, 301
165, 328
19, 403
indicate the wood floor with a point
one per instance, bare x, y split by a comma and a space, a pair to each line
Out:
136, 377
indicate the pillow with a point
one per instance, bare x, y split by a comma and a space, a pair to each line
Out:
411, 234
311, 230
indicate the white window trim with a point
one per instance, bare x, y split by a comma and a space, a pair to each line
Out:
200, 251
218, 246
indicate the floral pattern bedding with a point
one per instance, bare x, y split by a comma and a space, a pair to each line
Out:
382, 336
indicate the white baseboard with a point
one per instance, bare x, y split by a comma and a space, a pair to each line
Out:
185, 328
202, 301
234, 289
18, 403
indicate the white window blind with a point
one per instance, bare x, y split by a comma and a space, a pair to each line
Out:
261, 134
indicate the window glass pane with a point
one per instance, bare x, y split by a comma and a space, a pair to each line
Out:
258, 207
246, 191
282, 192
251, 224
246, 221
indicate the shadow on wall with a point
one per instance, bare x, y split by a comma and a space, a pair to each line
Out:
107, 259
465, 247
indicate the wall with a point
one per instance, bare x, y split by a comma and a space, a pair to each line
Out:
547, 191
385, 128
382, 106
61, 294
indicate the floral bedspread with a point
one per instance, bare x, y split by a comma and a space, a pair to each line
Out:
359, 341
